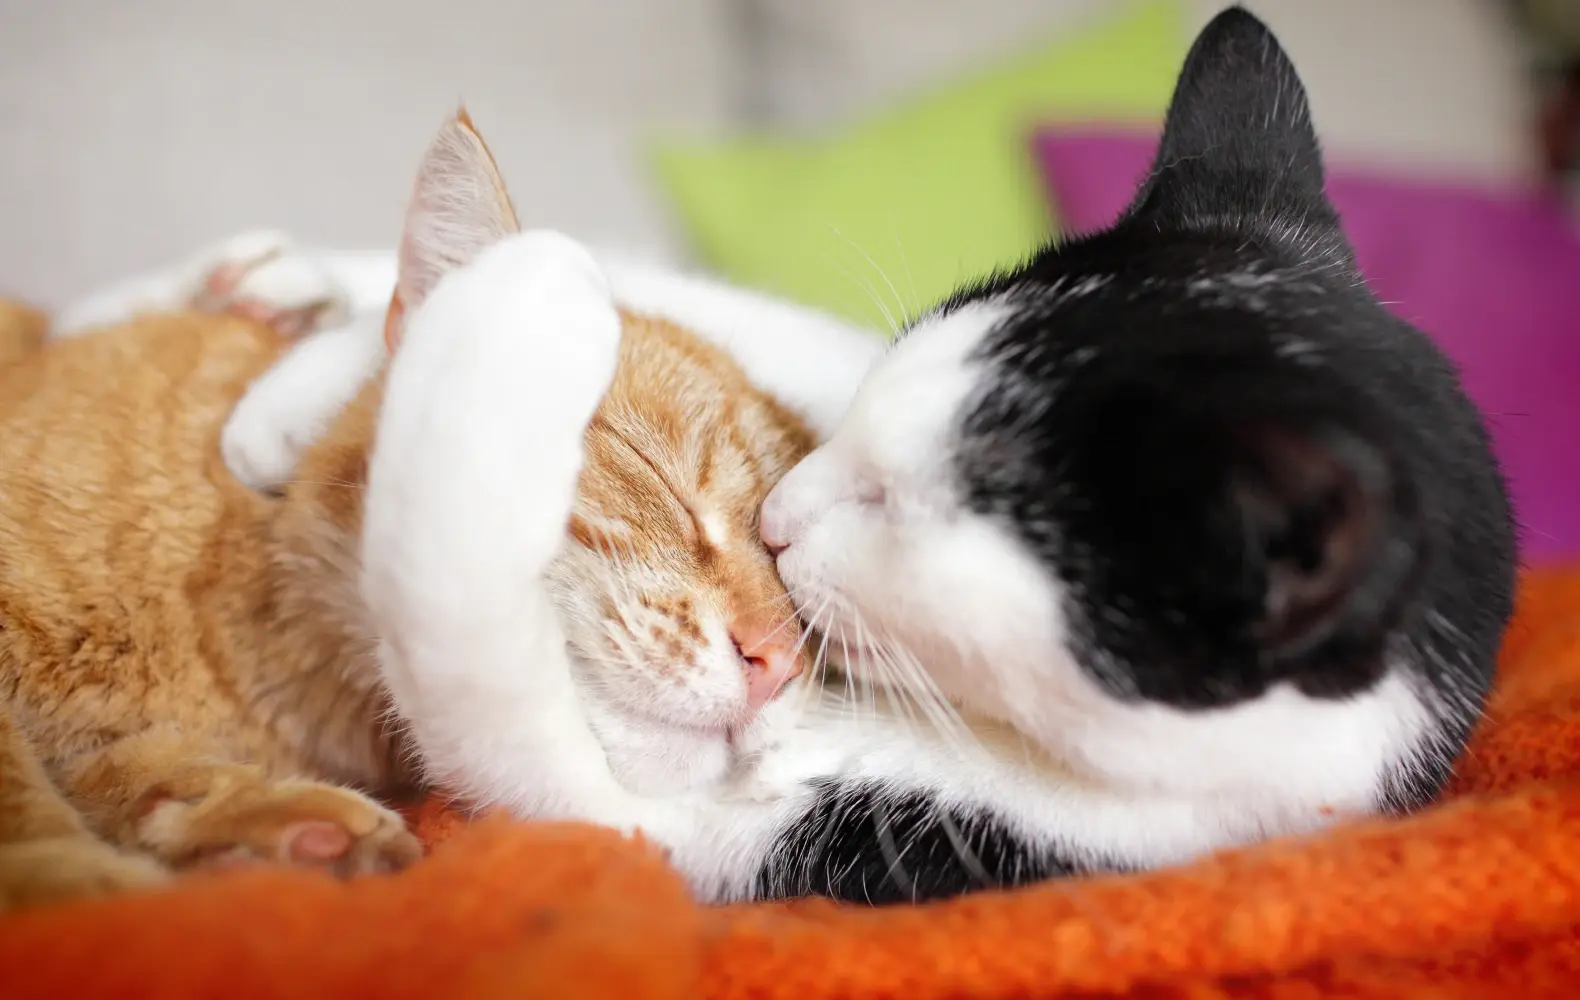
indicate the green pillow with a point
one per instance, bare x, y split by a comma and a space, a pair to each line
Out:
885, 217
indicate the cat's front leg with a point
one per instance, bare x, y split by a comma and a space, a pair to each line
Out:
47, 853
471, 483
290, 406
166, 792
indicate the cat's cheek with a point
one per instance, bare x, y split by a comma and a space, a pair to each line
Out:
965, 600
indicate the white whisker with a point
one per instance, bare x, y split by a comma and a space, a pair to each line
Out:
898, 300
872, 293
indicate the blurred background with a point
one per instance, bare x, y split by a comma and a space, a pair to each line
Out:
860, 155
135, 130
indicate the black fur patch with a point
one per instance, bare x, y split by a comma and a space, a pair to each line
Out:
861, 844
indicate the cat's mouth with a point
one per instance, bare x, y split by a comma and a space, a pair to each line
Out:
739, 740
656, 756
700, 729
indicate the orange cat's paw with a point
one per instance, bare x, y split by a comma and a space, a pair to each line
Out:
258, 276
63, 869
296, 823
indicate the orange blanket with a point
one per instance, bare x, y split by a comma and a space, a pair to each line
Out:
1479, 897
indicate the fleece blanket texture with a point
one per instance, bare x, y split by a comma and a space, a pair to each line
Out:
1476, 897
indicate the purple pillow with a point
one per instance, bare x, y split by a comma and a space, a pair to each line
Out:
1495, 278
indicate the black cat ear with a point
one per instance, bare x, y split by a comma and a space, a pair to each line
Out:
1238, 141
1322, 512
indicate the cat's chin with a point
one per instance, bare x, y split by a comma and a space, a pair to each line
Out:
656, 757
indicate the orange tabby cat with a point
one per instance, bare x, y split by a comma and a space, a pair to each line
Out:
187, 675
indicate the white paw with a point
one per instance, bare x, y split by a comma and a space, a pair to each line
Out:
540, 315
242, 251
261, 275
480, 439
257, 274
293, 403
289, 285
259, 444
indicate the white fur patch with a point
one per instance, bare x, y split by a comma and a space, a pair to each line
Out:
715, 529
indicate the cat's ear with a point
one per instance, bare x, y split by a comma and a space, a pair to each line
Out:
459, 207
1276, 513
1327, 519
1238, 145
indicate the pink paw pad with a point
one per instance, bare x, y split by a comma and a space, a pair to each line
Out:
270, 287
288, 322
220, 287
316, 842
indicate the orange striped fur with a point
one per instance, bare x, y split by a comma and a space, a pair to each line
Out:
186, 677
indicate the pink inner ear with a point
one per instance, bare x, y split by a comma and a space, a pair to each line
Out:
459, 206
394, 316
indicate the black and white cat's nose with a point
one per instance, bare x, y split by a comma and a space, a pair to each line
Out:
813, 486
775, 540
776, 522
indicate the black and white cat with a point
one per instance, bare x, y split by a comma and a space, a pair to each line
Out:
1179, 500
1171, 539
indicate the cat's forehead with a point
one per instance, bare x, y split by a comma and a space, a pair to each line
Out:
684, 442
1148, 296
904, 407
1130, 262
723, 444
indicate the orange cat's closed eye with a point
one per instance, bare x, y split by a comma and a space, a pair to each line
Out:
679, 457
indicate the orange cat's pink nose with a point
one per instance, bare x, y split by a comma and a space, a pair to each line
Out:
770, 655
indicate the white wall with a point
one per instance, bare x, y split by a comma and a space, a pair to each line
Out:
131, 131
